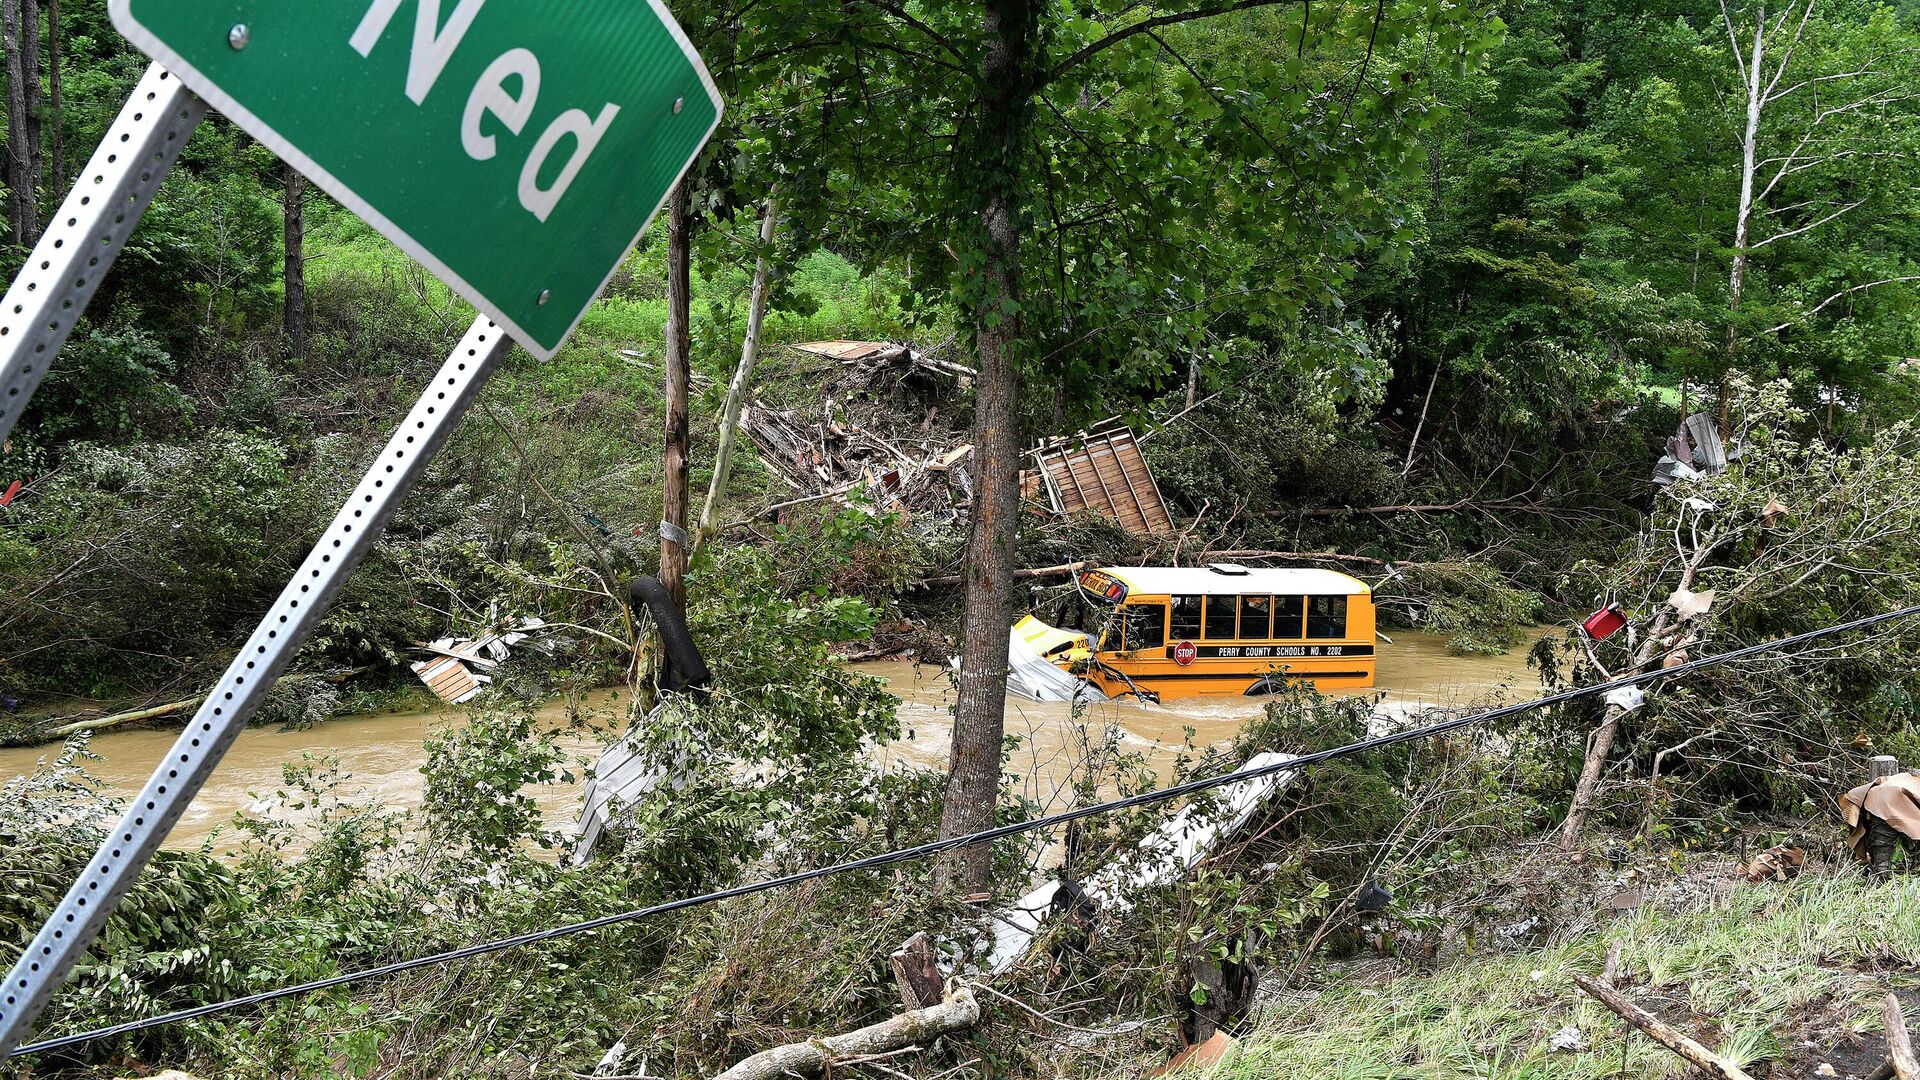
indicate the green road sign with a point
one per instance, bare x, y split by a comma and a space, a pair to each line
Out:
517, 148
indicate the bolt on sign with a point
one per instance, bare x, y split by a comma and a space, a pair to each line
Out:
517, 149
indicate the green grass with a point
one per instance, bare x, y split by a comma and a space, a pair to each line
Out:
1766, 955
824, 296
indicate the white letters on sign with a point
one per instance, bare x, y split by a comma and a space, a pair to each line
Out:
572, 122
490, 96
434, 45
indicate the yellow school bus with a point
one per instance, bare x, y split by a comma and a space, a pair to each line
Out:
1221, 629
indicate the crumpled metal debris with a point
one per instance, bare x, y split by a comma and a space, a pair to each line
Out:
1568, 1040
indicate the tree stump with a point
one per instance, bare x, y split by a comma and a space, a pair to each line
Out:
917, 971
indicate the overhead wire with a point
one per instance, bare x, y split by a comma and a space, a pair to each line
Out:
956, 843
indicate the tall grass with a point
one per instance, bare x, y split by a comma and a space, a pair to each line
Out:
1744, 968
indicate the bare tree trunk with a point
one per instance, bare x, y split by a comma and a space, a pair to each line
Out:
742, 376
1413, 444
1661, 1032
1609, 729
678, 361
1193, 378
294, 312
1743, 218
20, 39
56, 108
979, 720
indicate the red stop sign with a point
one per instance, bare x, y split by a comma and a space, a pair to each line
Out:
1184, 653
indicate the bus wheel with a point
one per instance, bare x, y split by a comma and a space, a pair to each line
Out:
1264, 687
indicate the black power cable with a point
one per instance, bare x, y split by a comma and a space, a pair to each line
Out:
939, 847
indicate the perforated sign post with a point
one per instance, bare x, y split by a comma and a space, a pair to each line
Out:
516, 148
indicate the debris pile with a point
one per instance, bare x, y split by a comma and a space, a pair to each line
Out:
832, 458
849, 450
1695, 450
460, 667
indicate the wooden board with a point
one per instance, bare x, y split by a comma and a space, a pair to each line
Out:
1105, 473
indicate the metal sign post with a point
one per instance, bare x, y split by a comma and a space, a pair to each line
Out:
80, 245
248, 678
517, 150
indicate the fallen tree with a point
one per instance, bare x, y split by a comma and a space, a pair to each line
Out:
958, 1012
153, 712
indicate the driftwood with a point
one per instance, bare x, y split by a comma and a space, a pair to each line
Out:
1654, 1028
1900, 1056
958, 1012
918, 972
101, 723
1062, 570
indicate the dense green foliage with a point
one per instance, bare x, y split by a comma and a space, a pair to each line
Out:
1426, 284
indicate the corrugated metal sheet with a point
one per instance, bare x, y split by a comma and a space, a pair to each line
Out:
1104, 472
449, 679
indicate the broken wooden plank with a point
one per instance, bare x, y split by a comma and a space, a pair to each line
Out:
1167, 852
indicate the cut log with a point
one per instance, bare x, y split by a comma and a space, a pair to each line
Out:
1659, 1031
918, 972
1899, 1044
810, 1058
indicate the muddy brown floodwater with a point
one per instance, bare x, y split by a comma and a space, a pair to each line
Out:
380, 754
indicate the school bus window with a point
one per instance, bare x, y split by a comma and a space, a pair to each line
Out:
1220, 612
1255, 621
1326, 617
1146, 627
1286, 617
1186, 618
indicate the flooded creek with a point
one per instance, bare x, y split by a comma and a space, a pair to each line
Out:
380, 754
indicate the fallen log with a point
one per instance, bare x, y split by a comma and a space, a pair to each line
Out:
1654, 1028
1456, 506
1062, 570
1900, 1055
959, 1011
1296, 556
101, 723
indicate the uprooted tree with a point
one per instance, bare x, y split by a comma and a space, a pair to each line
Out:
1793, 535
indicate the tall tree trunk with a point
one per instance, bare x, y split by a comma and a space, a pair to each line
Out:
56, 108
674, 499
294, 313
20, 40
1743, 218
979, 718
742, 375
